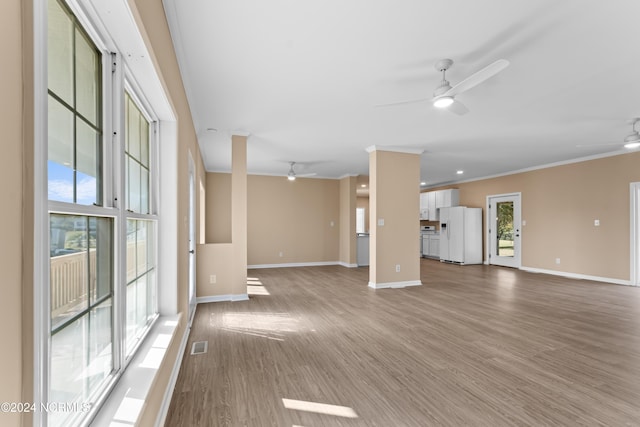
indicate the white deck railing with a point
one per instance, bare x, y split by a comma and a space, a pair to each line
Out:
68, 277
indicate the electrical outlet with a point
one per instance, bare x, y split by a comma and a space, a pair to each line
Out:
557, 260
397, 268
596, 222
213, 279
280, 254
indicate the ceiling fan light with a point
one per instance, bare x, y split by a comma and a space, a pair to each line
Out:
632, 145
443, 101
291, 177
632, 140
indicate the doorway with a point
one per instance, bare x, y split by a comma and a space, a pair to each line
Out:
634, 262
503, 230
192, 238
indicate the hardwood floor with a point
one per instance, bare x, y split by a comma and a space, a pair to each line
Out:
473, 346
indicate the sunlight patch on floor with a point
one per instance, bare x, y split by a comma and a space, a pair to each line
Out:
257, 290
319, 408
274, 322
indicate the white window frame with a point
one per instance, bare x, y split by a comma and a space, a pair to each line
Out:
133, 90
95, 22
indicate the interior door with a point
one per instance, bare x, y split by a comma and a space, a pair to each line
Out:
504, 230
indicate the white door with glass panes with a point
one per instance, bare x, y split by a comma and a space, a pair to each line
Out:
504, 230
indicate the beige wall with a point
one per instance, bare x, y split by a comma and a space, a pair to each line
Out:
348, 220
218, 196
394, 182
293, 217
559, 205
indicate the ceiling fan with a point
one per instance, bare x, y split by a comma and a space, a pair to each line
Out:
292, 175
444, 95
631, 141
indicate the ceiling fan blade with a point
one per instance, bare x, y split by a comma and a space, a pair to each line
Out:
458, 107
598, 145
393, 104
478, 77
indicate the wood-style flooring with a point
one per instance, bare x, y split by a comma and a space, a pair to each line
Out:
474, 346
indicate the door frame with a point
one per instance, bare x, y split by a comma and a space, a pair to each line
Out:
517, 219
634, 235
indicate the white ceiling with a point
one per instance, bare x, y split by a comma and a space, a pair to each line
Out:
304, 78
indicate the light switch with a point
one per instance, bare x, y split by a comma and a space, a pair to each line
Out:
380, 222
596, 222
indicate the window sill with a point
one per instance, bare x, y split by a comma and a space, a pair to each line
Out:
124, 404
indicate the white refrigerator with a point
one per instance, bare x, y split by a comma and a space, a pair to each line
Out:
461, 235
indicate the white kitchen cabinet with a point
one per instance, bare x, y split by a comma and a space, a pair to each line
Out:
432, 201
431, 245
447, 198
424, 209
434, 246
425, 245
432, 213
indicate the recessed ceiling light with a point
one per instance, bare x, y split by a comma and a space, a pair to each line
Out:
423, 183
363, 185
459, 172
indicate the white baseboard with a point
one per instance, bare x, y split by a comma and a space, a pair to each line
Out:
222, 298
166, 401
294, 264
344, 264
394, 285
577, 276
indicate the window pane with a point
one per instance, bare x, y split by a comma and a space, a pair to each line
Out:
87, 79
141, 248
126, 119
144, 141
151, 295
133, 130
131, 317
131, 250
144, 191
81, 360
68, 360
87, 164
68, 267
60, 152
100, 271
100, 337
60, 54
141, 304
141, 290
134, 185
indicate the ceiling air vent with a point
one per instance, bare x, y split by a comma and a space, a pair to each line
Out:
199, 347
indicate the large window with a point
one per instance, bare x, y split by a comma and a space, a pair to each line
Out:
141, 227
102, 253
